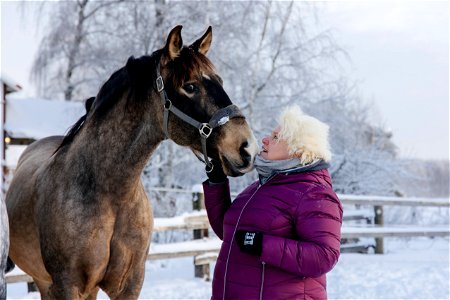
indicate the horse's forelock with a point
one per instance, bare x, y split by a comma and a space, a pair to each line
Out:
188, 65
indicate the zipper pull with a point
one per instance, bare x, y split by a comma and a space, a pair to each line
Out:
262, 280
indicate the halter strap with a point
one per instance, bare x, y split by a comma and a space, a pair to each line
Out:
219, 118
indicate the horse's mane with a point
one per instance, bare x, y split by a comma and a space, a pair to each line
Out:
77, 126
138, 77
137, 74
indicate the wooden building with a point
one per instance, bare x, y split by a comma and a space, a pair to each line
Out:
25, 120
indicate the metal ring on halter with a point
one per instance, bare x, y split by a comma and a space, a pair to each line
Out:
209, 167
159, 84
205, 126
168, 104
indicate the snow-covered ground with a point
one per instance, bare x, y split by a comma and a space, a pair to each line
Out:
414, 268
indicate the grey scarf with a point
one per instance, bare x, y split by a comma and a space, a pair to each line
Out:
267, 168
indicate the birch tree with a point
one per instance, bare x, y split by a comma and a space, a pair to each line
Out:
270, 54
65, 63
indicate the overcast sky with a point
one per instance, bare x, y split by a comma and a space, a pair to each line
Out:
399, 55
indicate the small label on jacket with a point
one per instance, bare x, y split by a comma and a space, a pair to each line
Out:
249, 236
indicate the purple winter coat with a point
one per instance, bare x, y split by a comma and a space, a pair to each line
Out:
300, 217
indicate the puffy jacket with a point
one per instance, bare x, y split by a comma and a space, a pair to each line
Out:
300, 217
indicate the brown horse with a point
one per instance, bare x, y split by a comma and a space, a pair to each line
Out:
79, 217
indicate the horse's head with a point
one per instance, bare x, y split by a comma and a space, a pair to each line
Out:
194, 88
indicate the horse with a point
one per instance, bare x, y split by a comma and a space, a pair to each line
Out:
79, 217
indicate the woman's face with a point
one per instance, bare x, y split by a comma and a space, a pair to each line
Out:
274, 148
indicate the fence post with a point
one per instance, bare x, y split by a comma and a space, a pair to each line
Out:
379, 220
31, 286
198, 203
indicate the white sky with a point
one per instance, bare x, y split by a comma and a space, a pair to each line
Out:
400, 56
399, 52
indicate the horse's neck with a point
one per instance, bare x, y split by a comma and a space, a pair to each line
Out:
117, 149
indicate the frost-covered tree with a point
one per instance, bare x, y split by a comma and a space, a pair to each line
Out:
269, 53
68, 57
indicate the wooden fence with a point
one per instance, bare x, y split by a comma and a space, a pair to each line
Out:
205, 249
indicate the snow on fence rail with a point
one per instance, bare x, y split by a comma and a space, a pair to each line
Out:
205, 250
401, 201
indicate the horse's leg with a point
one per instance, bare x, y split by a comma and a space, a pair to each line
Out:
120, 285
42, 287
132, 285
93, 294
64, 290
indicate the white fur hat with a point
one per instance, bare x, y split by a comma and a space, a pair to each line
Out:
307, 137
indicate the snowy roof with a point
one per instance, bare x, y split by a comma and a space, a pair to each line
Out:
11, 86
38, 118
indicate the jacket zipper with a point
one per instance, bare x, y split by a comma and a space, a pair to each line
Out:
232, 239
262, 280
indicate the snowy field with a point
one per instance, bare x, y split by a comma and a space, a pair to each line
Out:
415, 268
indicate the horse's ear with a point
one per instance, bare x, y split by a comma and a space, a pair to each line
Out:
88, 104
174, 43
202, 44
137, 70
132, 67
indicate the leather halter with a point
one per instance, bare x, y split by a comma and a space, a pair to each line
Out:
219, 118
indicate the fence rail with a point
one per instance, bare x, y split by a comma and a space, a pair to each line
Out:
401, 201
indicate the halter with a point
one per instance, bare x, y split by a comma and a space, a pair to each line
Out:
219, 118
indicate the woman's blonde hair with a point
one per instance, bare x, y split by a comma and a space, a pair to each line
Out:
306, 137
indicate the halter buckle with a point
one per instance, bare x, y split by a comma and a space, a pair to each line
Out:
205, 130
159, 84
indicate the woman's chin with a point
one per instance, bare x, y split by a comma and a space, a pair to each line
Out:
263, 154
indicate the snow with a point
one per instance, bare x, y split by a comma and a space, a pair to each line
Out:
197, 188
413, 268
385, 200
14, 86
39, 118
13, 153
180, 222
397, 229
195, 245
166, 222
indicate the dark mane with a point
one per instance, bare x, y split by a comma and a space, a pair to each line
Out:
77, 126
137, 75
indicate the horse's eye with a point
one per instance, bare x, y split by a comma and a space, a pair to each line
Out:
190, 88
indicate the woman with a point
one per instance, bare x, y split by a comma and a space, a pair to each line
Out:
281, 235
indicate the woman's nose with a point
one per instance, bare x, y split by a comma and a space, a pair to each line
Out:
265, 140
